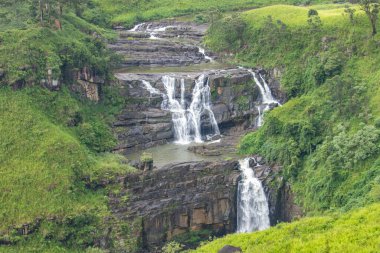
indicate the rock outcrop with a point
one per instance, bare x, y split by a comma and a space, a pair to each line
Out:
168, 43
87, 84
180, 198
143, 123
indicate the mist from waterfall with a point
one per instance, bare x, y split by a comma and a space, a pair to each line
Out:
252, 204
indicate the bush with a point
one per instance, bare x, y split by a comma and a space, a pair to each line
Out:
146, 157
226, 34
377, 122
172, 247
97, 136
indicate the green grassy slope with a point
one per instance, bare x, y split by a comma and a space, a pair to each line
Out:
357, 231
53, 144
47, 173
38, 164
130, 11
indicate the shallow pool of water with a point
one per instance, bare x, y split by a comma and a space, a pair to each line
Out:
172, 153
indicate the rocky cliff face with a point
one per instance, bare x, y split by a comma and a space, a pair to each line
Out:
164, 43
143, 123
180, 198
187, 197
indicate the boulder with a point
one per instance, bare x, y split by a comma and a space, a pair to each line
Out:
230, 249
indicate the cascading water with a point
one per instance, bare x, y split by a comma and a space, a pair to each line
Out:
267, 97
136, 27
152, 31
252, 205
187, 119
150, 88
177, 109
203, 52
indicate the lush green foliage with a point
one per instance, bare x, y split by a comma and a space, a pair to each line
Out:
325, 135
39, 164
357, 231
27, 54
47, 173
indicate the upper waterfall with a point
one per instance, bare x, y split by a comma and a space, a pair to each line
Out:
252, 204
187, 116
266, 95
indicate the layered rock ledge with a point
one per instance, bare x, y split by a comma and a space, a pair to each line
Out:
180, 198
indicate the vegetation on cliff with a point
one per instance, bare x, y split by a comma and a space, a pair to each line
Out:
54, 144
327, 135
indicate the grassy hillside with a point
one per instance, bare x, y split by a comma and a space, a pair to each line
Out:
54, 144
357, 231
47, 171
129, 12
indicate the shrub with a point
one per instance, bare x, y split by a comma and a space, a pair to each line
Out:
172, 247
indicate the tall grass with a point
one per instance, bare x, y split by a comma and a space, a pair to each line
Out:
354, 232
130, 12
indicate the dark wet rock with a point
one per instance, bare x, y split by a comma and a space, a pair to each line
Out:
179, 198
230, 249
173, 47
234, 96
87, 84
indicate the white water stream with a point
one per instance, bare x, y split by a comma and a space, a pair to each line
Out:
266, 95
187, 118
203, 52
252, 204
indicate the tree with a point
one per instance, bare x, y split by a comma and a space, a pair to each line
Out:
350, 12
314, 20
371, 9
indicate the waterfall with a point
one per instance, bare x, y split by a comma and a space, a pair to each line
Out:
178, 111
203, 52
259, 121
150, 88
252, 205
155, 31
187, 119
136, 27
267, 97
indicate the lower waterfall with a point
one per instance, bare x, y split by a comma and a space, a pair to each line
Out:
252, 204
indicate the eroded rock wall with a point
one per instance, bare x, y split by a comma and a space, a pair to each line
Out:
143, 123
180, 198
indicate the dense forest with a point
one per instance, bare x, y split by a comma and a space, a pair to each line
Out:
59, 171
